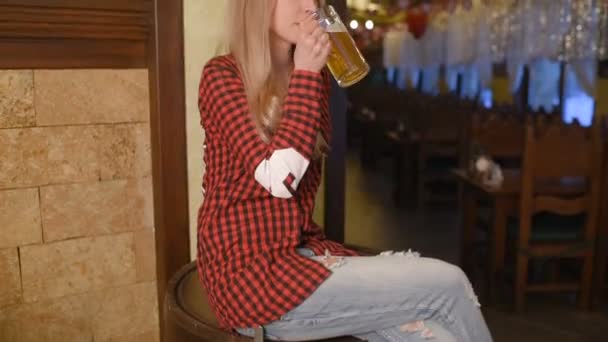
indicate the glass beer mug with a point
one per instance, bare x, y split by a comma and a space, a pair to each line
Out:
345, 61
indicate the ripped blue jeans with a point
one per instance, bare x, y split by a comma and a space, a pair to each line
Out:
391, 297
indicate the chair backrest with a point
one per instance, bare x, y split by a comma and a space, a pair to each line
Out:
386, 102
557, 153
500, 135
442, 118
562, 150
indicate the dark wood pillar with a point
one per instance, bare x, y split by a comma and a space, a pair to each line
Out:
335, 167
168, 134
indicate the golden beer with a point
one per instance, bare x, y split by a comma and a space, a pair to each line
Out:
345, 62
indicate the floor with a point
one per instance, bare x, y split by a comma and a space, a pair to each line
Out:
373, 221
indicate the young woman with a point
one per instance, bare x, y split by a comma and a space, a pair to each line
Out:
263, 261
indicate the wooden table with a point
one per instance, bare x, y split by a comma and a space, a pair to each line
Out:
505, 201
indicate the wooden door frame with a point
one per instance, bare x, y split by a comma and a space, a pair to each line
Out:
168, 141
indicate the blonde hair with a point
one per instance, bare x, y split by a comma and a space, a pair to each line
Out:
248, 36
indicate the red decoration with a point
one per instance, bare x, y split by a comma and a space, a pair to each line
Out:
417, 21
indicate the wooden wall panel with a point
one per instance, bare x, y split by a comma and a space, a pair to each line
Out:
75, 33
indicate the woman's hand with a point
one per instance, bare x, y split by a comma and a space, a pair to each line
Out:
312, 47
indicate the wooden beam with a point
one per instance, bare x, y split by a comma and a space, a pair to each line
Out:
71, 54
70, 34
168, 134
131, 5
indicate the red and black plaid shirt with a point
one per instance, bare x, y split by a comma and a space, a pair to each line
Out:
247, 238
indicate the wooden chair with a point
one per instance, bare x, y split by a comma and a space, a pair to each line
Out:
189, 318
557, 152
403, 147
501, 136
440, 121
380, 110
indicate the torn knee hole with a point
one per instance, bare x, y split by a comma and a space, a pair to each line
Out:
331, 261
417, 326
408, 254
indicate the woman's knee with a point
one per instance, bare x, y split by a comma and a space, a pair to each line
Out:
444, 272
460, 283
452, 278
456, 274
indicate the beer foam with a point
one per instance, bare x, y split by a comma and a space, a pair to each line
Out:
335, 28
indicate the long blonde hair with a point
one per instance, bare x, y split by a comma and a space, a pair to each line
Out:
248, 36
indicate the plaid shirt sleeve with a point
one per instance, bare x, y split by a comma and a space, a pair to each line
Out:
224, 98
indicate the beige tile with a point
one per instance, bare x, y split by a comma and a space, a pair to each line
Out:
20, 218
125, 311
97, 208
77, 266
52, 155
10, 279
124, 151
145, 255
65, 319
17, 98
91, 96
150, 336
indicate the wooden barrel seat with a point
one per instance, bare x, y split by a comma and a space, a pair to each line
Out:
188, 316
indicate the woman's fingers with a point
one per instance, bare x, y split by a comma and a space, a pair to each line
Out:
327, 47
316, 51
318, 32
310, 42
312, 47
309, 25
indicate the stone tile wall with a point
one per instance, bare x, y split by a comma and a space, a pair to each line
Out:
77, 258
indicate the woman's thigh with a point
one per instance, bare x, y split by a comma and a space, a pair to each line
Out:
366, 294
383, 283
